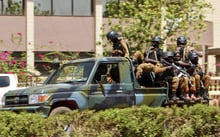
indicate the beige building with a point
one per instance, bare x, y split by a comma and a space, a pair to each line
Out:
213, 61
74, 29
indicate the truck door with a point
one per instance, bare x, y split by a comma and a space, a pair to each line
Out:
112, 87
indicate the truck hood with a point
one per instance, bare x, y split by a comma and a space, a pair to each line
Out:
50, 88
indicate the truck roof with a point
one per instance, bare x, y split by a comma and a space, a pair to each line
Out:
102, 59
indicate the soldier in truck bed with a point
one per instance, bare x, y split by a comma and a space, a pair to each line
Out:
184, 49
146, 72
120, 47
202, 79
187, 83
170, 75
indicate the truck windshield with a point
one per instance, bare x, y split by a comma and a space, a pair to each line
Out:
75, 72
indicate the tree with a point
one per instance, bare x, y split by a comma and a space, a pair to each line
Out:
140, 20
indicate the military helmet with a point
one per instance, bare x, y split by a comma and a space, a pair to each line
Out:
193, 55
157, 39
181, 40
168, 54
112, 35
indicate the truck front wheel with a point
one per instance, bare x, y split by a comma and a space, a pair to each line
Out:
59, 110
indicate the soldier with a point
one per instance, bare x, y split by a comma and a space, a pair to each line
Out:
137, 59
154, 54
151, 66
185, 49
120, 47
170, 75
202, 80
185, 81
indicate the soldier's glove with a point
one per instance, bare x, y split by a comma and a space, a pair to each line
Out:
201, 73
192, 66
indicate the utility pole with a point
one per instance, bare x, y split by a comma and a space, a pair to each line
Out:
98, 25
29, 21
163, 24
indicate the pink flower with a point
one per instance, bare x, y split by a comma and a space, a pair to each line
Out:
13, 62
19, 33
23, 64
50, 42
40, 56
4, 56
78, 52
10, 72
9, 52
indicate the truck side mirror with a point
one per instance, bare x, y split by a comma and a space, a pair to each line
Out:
56, 63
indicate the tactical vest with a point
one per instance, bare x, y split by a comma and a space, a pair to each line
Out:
154, 53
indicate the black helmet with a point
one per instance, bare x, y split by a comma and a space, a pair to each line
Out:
181, 40
193, 55
157, 39
112, 35
168, 54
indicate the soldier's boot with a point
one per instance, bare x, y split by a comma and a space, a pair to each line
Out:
193, 97
206, 94
184, 96
198, 95
174, 97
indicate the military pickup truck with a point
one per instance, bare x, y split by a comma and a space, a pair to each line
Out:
92, 83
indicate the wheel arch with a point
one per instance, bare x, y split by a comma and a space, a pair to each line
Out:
71, 104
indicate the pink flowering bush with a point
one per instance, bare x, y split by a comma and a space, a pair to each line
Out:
10, 65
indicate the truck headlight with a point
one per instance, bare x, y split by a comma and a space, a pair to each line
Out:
38, 98
2, 101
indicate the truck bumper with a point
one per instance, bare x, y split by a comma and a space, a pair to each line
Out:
33, 109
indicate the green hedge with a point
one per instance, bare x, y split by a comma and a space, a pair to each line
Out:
199, 120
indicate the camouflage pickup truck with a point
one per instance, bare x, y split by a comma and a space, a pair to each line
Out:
92, 83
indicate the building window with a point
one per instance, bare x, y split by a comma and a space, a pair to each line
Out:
49, 7
12, 7
82, 7
42, 7
64, 7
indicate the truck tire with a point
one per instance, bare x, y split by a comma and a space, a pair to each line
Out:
62, 110
59, 110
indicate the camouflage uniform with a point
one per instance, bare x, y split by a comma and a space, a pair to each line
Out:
170, 75
184, 51
184, 79
120, 47
200, 78
173, 80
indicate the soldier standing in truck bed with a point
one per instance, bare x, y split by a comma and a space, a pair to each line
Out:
120, 47
184, 49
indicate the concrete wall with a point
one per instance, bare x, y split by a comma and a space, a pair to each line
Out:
51, 33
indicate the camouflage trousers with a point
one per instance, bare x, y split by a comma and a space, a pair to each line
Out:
187, 85
205, 79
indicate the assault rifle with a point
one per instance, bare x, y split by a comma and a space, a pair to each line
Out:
183, 72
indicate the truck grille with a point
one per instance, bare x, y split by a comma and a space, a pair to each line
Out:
16, 100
